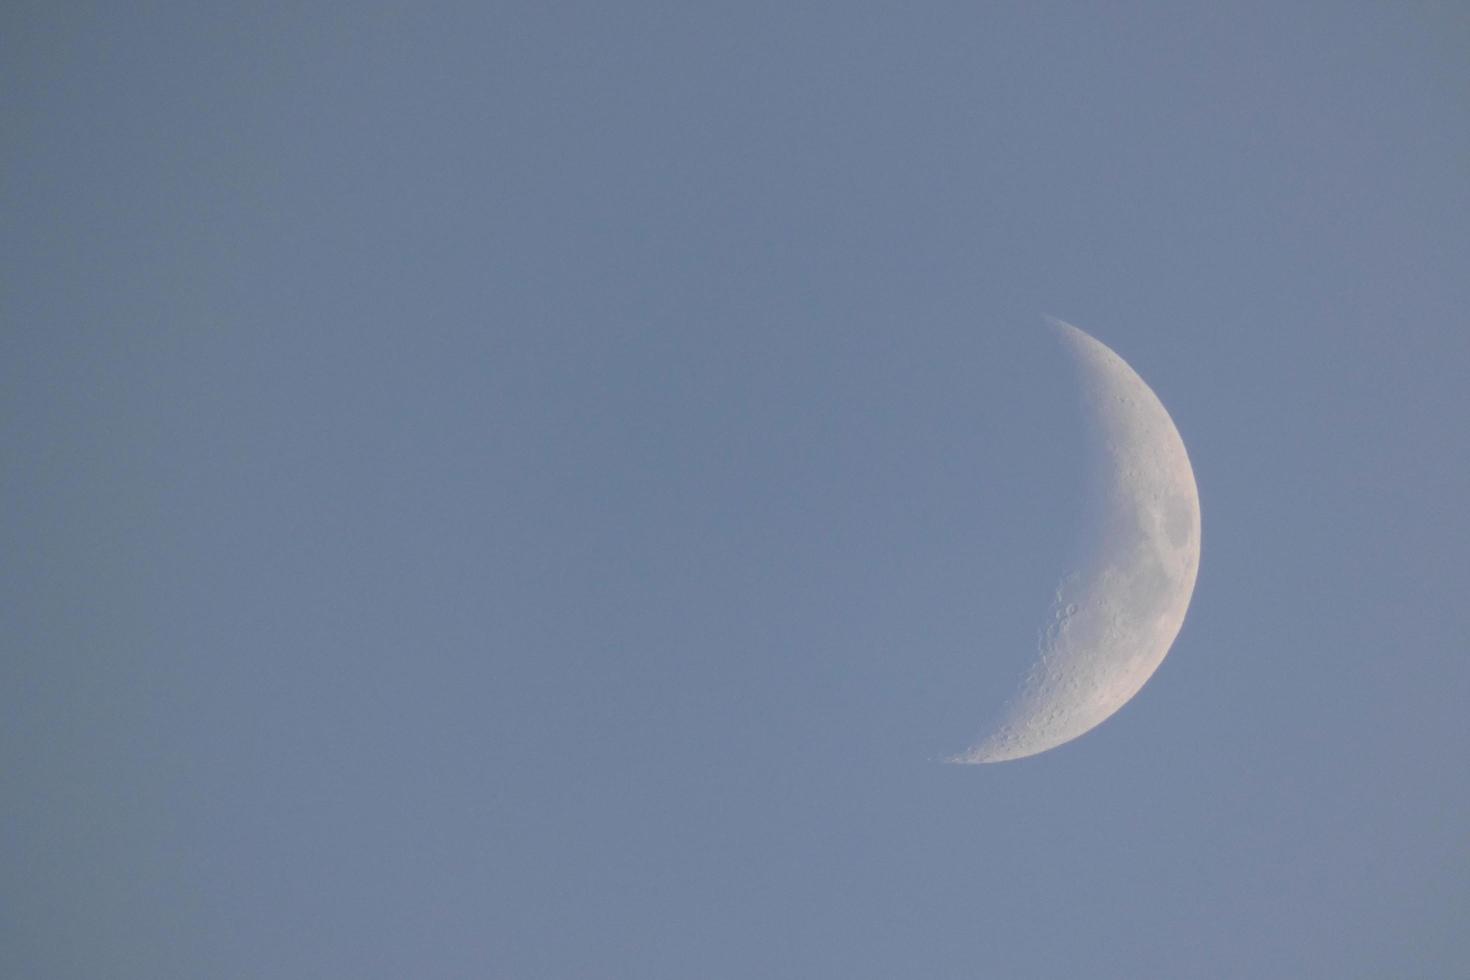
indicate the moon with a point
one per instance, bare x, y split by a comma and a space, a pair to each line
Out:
1115, 616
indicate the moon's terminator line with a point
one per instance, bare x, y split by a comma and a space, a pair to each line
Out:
1115, 617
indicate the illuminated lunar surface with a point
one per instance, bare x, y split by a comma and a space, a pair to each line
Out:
1116, 615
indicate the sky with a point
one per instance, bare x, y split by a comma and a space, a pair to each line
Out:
536, 490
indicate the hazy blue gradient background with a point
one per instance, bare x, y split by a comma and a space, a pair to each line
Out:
531, 490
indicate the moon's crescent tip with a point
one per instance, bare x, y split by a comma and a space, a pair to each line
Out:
1061, 326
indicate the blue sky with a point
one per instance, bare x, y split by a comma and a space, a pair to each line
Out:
533, 490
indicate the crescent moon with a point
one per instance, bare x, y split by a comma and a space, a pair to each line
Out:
1115, 617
